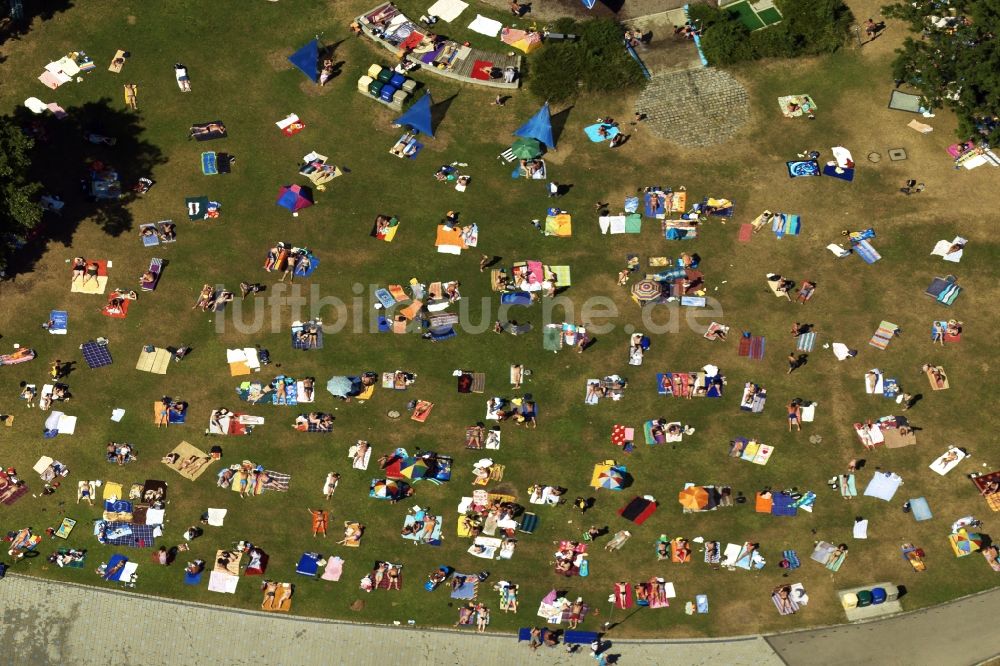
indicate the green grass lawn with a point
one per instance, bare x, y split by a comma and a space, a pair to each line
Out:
240, 75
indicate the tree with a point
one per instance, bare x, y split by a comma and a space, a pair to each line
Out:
954, 62
20, 211
808, 27
596, 62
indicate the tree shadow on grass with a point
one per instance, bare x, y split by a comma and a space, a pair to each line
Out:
15, 27
63, 159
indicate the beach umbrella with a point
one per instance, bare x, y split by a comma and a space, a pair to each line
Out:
646, 290
340, 386
413, 468
610, 478
385, 489
694, 498
526, 149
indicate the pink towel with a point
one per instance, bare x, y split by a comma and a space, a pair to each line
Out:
334, 569
746, 232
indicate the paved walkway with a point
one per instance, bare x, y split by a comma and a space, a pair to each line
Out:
47, 622
696, 107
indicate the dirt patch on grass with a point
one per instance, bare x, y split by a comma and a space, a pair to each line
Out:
278, 60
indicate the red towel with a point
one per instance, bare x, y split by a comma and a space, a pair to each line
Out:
481, 70
744, 349
746, 232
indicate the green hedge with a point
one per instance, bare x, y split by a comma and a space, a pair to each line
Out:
809, 27
596, 62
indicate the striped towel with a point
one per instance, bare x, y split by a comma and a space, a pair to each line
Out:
884, 334
744, 348
562, 274
806, 342
793, 559
757, 345
279, 481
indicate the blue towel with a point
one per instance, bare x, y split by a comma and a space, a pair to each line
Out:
308, 564
845, 174
593, 132
385, 298
209, 164
310, 267
631, 204
60, 320
515, 298
920, 509
192, 579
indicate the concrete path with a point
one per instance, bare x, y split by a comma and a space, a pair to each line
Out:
46, 622
959, 633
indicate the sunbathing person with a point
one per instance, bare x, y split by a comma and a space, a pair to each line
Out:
168, 231
79, 267
169, 459
93, 268
682, 551
393, 575
270, 589
320, 519
221, 299
147, 277
939, 332
205, 298
205, 130
430, 522
794, 416
806, 291
437, 577
194, 463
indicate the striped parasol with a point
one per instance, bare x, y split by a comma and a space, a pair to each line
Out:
646, 290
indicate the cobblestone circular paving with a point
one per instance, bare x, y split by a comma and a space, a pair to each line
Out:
696, 107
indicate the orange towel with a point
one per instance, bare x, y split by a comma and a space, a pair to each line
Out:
446, 236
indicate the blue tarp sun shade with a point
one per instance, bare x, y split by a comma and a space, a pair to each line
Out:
418, 116
589, 4
306, 60
539, 127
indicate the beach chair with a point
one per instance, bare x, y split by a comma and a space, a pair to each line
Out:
507, 156
155, 267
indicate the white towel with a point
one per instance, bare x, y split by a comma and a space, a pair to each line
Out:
447, 10
841, 351
485, 26
216, 517
861, 529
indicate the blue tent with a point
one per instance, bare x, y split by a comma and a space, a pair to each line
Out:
306, 60
418, 116
539, 127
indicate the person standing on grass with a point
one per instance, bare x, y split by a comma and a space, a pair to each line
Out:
553, 190
793, 363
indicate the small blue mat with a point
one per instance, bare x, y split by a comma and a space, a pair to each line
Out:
802, 168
